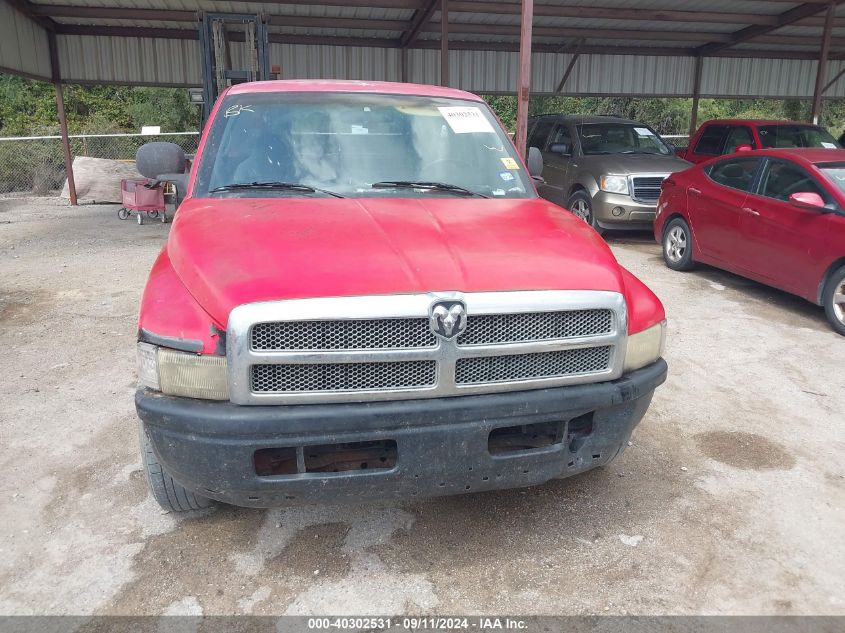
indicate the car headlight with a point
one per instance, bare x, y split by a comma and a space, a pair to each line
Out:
645, 347
182, 374
614, 184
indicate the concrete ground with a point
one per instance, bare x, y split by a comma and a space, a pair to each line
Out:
730, 500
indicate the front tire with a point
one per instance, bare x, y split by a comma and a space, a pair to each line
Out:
168, 494
833, 299
581, 206
677, 245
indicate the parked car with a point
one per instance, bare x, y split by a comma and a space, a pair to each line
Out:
362, 296
606, 170
726, 136
776, 216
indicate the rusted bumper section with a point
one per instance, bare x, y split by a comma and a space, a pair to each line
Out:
268, 456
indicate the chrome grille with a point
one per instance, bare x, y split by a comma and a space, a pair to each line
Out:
344, 349
647, 188
492, 369
491, 329
343, 377
342, 334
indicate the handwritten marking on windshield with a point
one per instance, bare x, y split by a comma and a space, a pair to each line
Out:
236, 109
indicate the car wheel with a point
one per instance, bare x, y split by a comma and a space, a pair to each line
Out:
581, 206
140, 216
122, 214
834, 300
677, 245
167, 493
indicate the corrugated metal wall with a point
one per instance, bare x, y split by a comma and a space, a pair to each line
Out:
23, 44
129, 60
177, 62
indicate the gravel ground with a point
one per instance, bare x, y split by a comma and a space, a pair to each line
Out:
729, 501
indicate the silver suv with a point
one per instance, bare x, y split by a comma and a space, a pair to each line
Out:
604, 169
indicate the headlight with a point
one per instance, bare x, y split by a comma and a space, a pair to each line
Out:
182, 374
645, 347
614, 184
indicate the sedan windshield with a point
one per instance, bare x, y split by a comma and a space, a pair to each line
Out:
357, 145
620, 138
783, 136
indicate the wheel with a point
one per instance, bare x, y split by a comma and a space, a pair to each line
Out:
677, 245
581, 206
167, 493
140, 217
152, 214
123, 214
833, 299
164, 217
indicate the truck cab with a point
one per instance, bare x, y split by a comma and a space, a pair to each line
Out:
726, 136
363, 297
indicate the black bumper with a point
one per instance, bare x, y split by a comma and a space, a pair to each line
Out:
441, 445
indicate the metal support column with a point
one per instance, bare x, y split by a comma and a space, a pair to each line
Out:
821, 71
56, 74
696, 95
524, 88
444, 42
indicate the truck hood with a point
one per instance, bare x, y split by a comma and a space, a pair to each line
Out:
241, 250
623, 164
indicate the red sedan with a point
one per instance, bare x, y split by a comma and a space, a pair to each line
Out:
775, 216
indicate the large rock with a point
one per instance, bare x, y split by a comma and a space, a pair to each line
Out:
98, 179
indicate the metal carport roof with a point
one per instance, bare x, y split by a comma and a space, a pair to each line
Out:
751, 47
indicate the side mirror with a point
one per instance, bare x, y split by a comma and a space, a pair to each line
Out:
535, 162
807, 200
744, 148
164, 162
560, 148
672, 148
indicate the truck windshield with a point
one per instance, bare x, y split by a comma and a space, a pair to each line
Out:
781, 136
357, 145
620, 138
835, 172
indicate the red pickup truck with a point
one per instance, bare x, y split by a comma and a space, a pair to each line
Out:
362, 296
726, 136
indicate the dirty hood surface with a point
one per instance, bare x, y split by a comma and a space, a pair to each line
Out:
233, 251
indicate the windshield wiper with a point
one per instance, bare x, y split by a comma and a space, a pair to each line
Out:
638, 151
421, 184
273, 184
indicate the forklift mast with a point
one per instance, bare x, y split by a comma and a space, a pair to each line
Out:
217, 32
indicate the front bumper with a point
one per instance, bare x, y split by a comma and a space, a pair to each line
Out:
441, 444
636, 215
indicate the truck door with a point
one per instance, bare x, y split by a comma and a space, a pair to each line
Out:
557, 157
707, 144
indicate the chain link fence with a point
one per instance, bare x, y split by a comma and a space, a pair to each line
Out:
34, 165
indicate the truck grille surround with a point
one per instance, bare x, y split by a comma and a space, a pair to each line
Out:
352, 349
647, 188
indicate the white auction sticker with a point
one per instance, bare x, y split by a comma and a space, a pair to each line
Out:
829, 145
465, 120
643, 131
